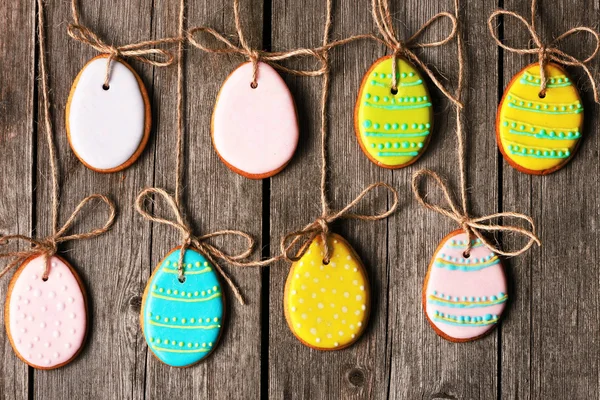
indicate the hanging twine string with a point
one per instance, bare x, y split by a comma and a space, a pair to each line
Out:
473, 226
548, 52
48, 246
141, 51
320, 227
180, 106
188, 239
254, 56
383, 20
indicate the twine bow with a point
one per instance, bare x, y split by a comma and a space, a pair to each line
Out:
199, 243
474, 225
48, 246
320, 226
255, 56
141, 51
383, 20
550, 52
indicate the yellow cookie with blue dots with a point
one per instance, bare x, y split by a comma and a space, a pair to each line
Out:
393, 127
327, 305
538, 135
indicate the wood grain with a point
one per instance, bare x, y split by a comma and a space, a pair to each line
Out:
215, 198
547, 345
296, 371
113, 267
17, 114
549, 340
424, 365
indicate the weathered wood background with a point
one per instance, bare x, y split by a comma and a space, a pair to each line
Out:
547, 347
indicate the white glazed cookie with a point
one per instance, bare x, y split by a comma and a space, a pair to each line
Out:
108, 127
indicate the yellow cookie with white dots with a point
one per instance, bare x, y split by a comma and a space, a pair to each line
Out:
327, 305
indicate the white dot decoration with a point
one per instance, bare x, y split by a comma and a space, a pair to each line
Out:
327, 293
32, 317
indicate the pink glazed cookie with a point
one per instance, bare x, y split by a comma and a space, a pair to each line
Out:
255, 130
46, 321
464, 296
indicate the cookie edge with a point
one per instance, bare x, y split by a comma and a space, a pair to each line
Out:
147, 119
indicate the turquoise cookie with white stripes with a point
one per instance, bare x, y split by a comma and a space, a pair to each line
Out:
393, 126
182, 320
536, 133
464, 294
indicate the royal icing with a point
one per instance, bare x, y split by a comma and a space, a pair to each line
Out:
464, 297
393, 129
539, 135
327, 305
46, 320
107, 129
255, 130
182, 321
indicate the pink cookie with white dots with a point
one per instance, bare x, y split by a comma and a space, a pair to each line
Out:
46, 321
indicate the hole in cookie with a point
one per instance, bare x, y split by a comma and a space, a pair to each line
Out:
542, 95
466, 254
325, 262
105, 86
45, 278
394, 91
253, 85
181, 279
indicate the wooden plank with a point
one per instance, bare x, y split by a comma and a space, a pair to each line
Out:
114, 266
16, 152
215, 199
296, 371
550, 340
424, 365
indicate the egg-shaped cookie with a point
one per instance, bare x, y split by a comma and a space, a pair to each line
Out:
327, 305
393, 127
255, 127
538, 135
46, 320
464, 294
108, 126
182, 320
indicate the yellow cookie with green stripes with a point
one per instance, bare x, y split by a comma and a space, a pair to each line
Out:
538, 135
393, 126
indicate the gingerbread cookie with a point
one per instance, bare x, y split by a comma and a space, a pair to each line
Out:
182, 321
46, 321
255, 129
108, 126
464, 297
393, 127
327, 305
539, 135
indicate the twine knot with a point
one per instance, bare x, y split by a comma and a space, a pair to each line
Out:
383, 20
320, 226
198, 243
548, 52
474, 226
143, 51
253, 55
399, 47
48, 246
